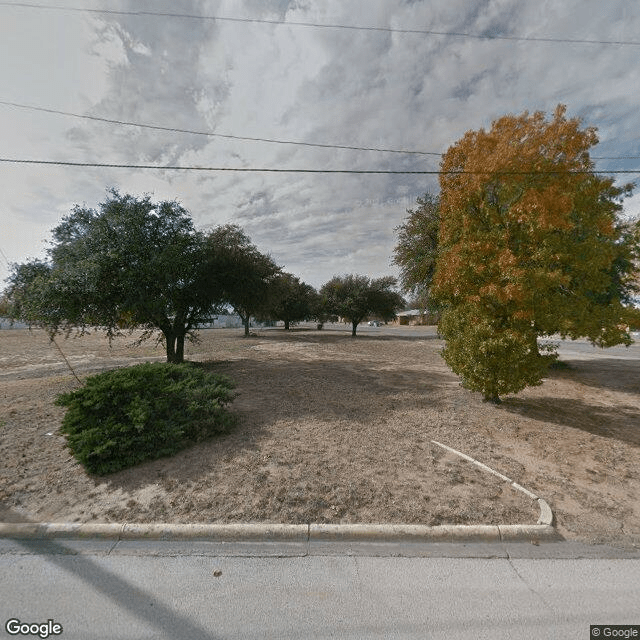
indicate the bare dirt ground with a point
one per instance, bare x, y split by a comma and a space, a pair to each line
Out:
336, 430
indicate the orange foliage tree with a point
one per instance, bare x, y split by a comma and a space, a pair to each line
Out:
530, 245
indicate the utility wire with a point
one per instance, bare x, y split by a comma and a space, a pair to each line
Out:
234, 137
615, 157
207, 133
455, 34
270, 170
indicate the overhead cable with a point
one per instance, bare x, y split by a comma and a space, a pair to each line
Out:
246, 138
429, 32
272, 170
211, 134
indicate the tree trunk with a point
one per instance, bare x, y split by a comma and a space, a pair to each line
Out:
533, 345
286, 325
353, 329
179, 354
170, 340
245, 322
494, 399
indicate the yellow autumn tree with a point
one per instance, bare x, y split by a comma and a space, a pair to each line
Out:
530, 245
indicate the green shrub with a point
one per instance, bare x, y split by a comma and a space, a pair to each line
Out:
491, 356
122, 417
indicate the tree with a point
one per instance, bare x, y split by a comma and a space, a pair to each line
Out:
625, 267
244, 274
26, 297
5, 308
530, 246
632, 229
417, 249
131, 263
490, 354
290, 300
356, 297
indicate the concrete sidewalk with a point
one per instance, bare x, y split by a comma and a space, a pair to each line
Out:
154, 590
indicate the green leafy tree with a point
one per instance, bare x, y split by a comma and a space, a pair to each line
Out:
417, 250
530, 245
241, 270
131, 263
319, 311
27, 296
355, 297
290, 300
625, 268
632, 231
5, 308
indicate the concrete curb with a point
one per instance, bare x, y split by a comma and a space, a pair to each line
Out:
279, 533
300, 533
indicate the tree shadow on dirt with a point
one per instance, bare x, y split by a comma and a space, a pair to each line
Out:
339, 336
616, 374
277, 389
621, 422
328, 388
9, 514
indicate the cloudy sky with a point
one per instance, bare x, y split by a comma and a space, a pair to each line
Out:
255, 74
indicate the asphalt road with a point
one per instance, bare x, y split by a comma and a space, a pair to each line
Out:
582, 349
567, 349
194, 592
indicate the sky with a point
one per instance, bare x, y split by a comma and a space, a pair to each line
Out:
255, 74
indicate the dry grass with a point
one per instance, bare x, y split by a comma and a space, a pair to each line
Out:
336, 430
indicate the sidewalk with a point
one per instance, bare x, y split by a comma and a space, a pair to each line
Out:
161, 591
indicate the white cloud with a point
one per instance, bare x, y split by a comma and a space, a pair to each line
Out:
360, 88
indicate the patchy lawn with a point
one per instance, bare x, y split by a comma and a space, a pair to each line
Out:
336, 430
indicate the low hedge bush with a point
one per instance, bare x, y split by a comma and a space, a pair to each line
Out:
122, 417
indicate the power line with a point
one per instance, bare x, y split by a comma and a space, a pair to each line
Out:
455, 34
251, 139
203, 168
615, 157
210, 134
271, 170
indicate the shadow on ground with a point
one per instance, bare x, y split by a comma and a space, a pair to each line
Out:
279, 389
620, 423
8, 514
338, 336
616, 374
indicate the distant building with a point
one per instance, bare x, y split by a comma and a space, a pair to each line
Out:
416, 317
222, 322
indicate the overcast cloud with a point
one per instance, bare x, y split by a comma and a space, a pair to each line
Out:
327, 86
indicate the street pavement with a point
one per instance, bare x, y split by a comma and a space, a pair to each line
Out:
101, 589
582, 349
567, 349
